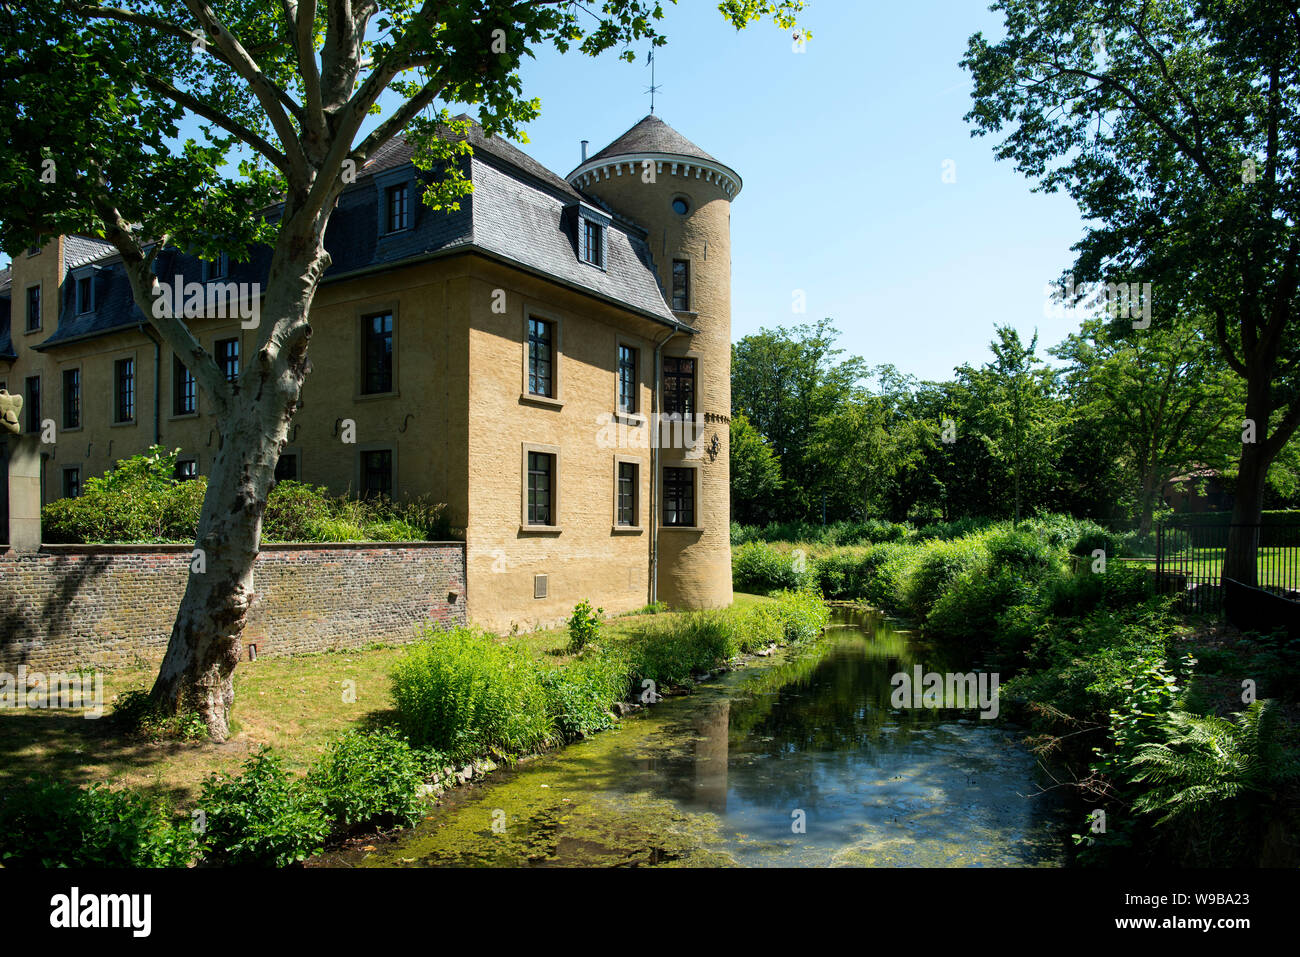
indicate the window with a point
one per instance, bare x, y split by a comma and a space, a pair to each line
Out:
593, 243
626, 494
541, 488
32, 401
185, 391
71, 482
218, 268
679, 385
33, 308
186, 470
396, 214
85, 294
680, 206
228, 358
377, 473
679, 496
377, 354
286, 469
124, 390
72, 398
627, 391
541, 357
681, 285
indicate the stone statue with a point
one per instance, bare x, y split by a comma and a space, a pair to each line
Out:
10, 406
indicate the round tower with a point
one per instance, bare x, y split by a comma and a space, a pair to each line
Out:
658, 179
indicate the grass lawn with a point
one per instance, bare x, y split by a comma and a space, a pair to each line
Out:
294, 704
1275, 566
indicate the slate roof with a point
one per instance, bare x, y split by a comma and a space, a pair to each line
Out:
652, 135
516, 214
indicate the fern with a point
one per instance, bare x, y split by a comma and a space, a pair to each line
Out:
1209, 760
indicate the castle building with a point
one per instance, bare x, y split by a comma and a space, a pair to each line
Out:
552, 361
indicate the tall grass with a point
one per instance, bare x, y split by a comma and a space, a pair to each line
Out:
465, 693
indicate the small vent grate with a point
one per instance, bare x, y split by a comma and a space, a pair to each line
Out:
539, 586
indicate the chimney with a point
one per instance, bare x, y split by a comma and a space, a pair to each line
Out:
584, 151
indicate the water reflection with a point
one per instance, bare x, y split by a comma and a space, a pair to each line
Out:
729, 774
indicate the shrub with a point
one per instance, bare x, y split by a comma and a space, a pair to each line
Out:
464, 694
761, 568
972, 607
51, 823
937, 565
369, 779
261, 817
801, 616
134, 715
1119, 587
580, 695
584, 626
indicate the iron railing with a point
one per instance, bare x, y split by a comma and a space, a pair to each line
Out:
1190, 559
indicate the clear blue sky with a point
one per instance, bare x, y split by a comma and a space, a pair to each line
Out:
842, 151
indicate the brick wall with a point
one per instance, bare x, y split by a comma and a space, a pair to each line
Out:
112, 606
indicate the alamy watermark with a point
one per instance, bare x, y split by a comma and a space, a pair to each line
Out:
209, 300
933, 690
1118, 300
36, 689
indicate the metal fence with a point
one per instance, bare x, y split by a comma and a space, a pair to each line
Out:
1190, 557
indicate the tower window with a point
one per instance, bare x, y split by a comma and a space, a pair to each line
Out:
679, 496
217, 268
286, 469
679, 385
681, 285
187, 470
681, 207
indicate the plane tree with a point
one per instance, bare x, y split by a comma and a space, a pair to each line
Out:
97, 136
1173, 124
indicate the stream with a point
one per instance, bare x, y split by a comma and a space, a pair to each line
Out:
799, 759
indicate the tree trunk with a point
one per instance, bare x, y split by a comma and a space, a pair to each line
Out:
1241, 559
198, 668
1146, 506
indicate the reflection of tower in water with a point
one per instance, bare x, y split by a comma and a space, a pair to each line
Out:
712, 724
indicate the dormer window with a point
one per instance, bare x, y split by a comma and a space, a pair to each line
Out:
592, 243
592, 234
85, 295
396, 207
83, 290
218, 268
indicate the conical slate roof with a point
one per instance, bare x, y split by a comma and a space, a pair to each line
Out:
653, 135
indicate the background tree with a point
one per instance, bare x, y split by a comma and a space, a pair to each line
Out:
756, 488
1172, 123
784, 381
1011, 407
1163, 392
96, 95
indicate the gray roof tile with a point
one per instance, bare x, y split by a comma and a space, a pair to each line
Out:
515, 213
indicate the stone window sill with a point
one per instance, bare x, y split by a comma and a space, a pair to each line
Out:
540, 529
543, 400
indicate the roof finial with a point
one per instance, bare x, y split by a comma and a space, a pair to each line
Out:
652, 89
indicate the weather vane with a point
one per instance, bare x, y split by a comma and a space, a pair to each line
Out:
652, 89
